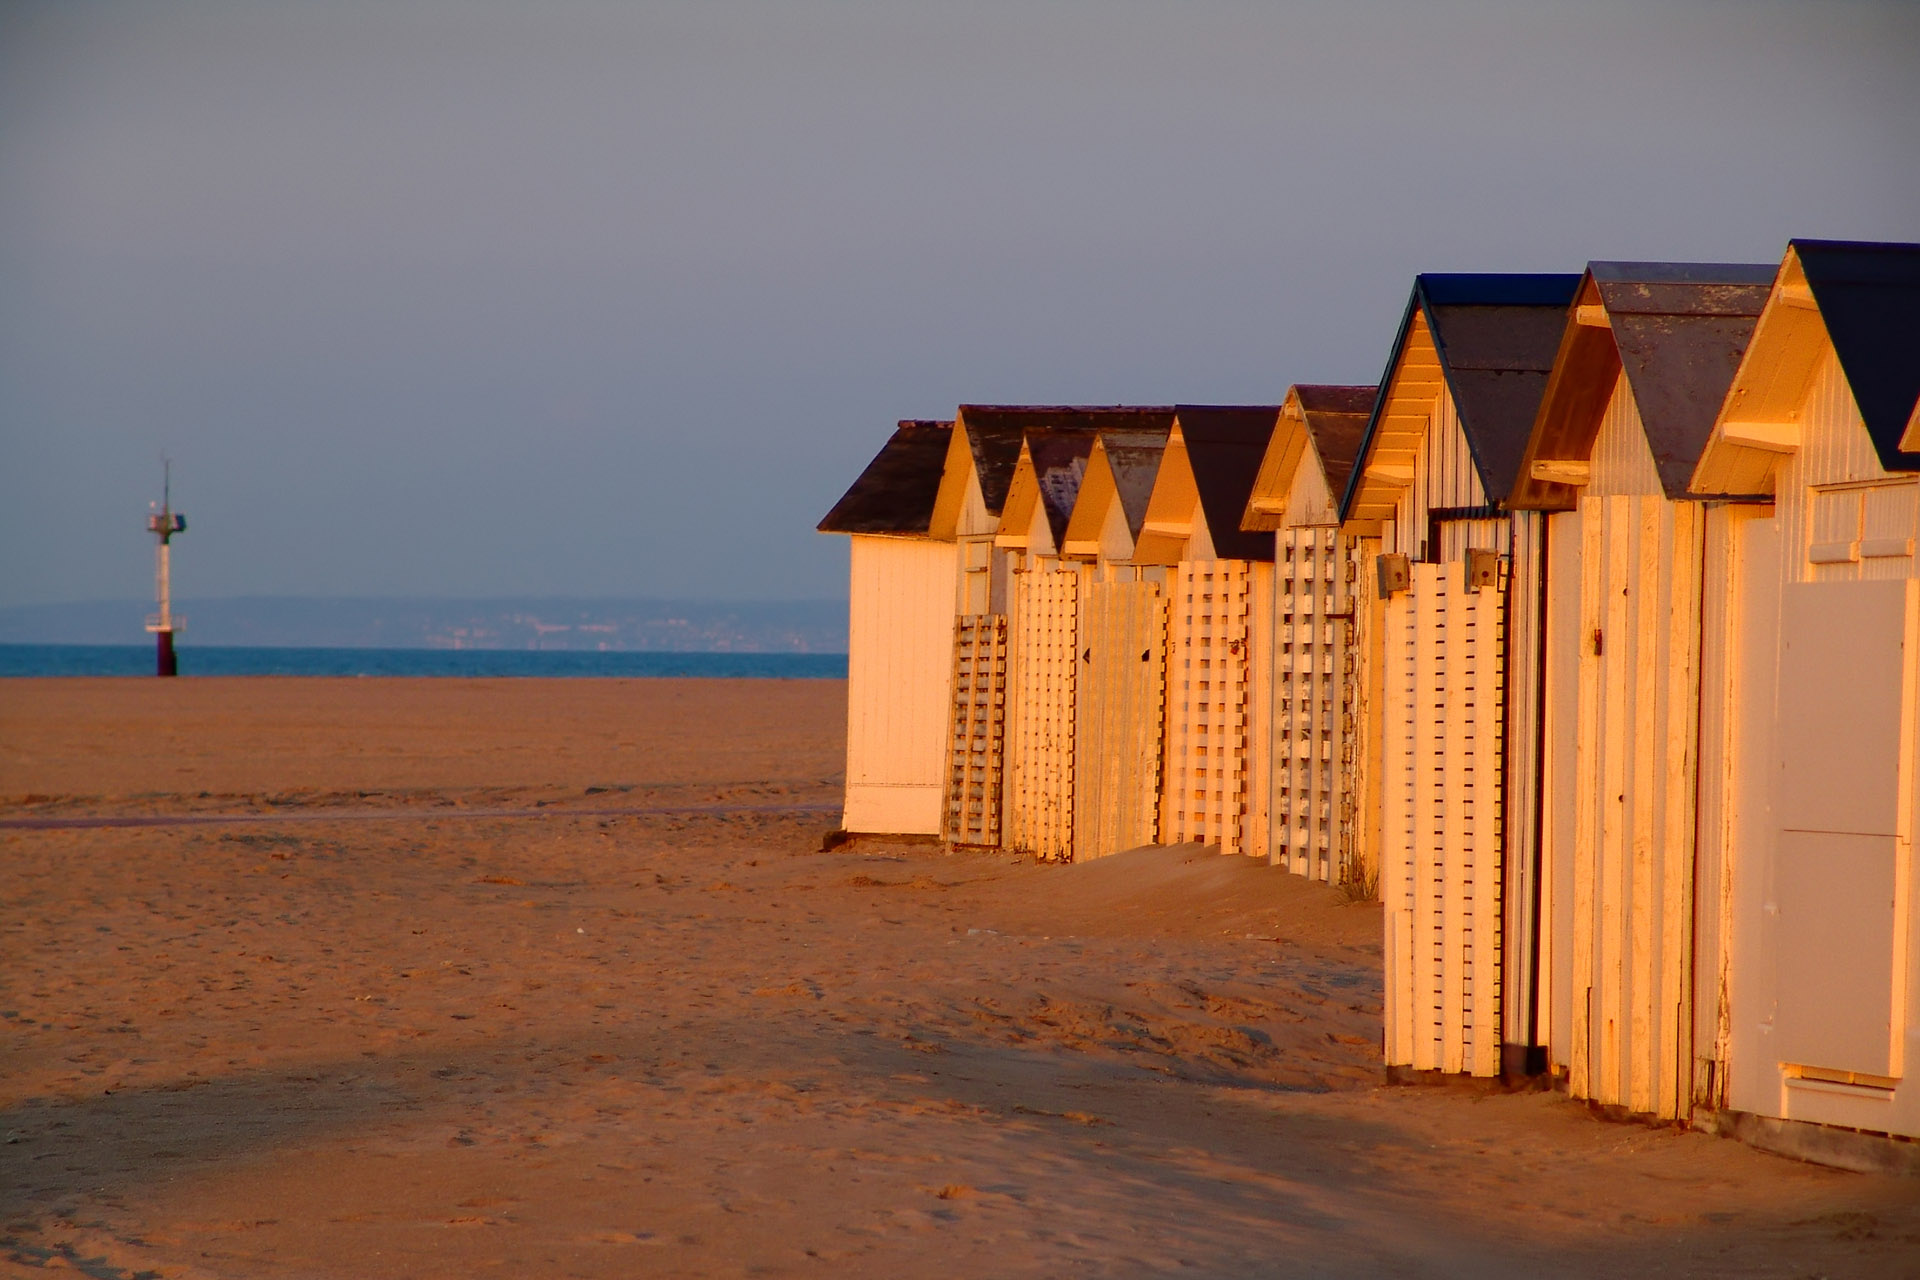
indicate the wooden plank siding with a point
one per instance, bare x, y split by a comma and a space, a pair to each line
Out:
1446, 480
899, 673
1256, 836
1043, 664
1442, 817
1822, 980
975, 752
1522, 787
1633, 837
1205, 797
1119, 715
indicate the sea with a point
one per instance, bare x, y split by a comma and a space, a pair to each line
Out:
19, 660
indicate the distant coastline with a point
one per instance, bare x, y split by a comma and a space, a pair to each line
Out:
578, 625
67, 660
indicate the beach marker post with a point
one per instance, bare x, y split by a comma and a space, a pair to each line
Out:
163, 524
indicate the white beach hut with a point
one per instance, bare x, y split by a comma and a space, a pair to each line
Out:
982, 455
1817, 958
1645, 361
1219, 592
1121, 679
1461, 667
1043, 646
899, 636
1323, 620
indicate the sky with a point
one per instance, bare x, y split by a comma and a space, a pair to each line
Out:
467, 298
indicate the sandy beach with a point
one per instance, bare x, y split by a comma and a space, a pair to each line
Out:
551, 978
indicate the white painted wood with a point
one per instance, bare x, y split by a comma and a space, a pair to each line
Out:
1312, 793
1521, 796
1822, 969
1632, 863
1442, 823
1622, 462
1120, 713
1043, 664
1204, 798
1559, 775
899, 668
1256, 837
976, 731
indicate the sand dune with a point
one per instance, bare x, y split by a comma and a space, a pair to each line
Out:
691, 1044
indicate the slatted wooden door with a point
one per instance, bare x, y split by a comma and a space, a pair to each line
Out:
1637, 732
1117, 738
977, 735
1205, 798
1441, 820
1312, 796
1043, 668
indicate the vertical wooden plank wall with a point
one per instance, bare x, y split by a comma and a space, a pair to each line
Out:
1521, 796
1441, 823
1257, 823
1366, 703
978, 726
1560, 781
1311, 799
1206, 728
1043, 663
1720, 591
1633, 851
1117, 739
899, 664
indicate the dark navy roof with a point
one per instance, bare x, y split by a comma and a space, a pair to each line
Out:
1496, 335
1869, 297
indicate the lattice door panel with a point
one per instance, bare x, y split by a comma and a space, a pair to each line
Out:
1441, 827
1043, 669
1312, 713
977, 730
1205, 797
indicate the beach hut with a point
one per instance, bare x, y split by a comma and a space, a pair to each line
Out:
1817, 960
1323, 622
899, 635
1122, 635
1645, 360
982, 454
1460, 673
1043, 642
1219, 590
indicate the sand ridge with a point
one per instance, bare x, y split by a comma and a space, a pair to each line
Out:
695, 1045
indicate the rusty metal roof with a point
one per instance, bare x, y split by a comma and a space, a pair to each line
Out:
994, 432
894, 495
1680, 330
1059, 465
1869, 298
1677, 331
1495, 336
1133, 456
1224, 446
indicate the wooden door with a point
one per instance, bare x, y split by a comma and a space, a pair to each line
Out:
1205, 797
1636, 738
1117, 737
1837, 945
1043, 669
977, 730
1442, 761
